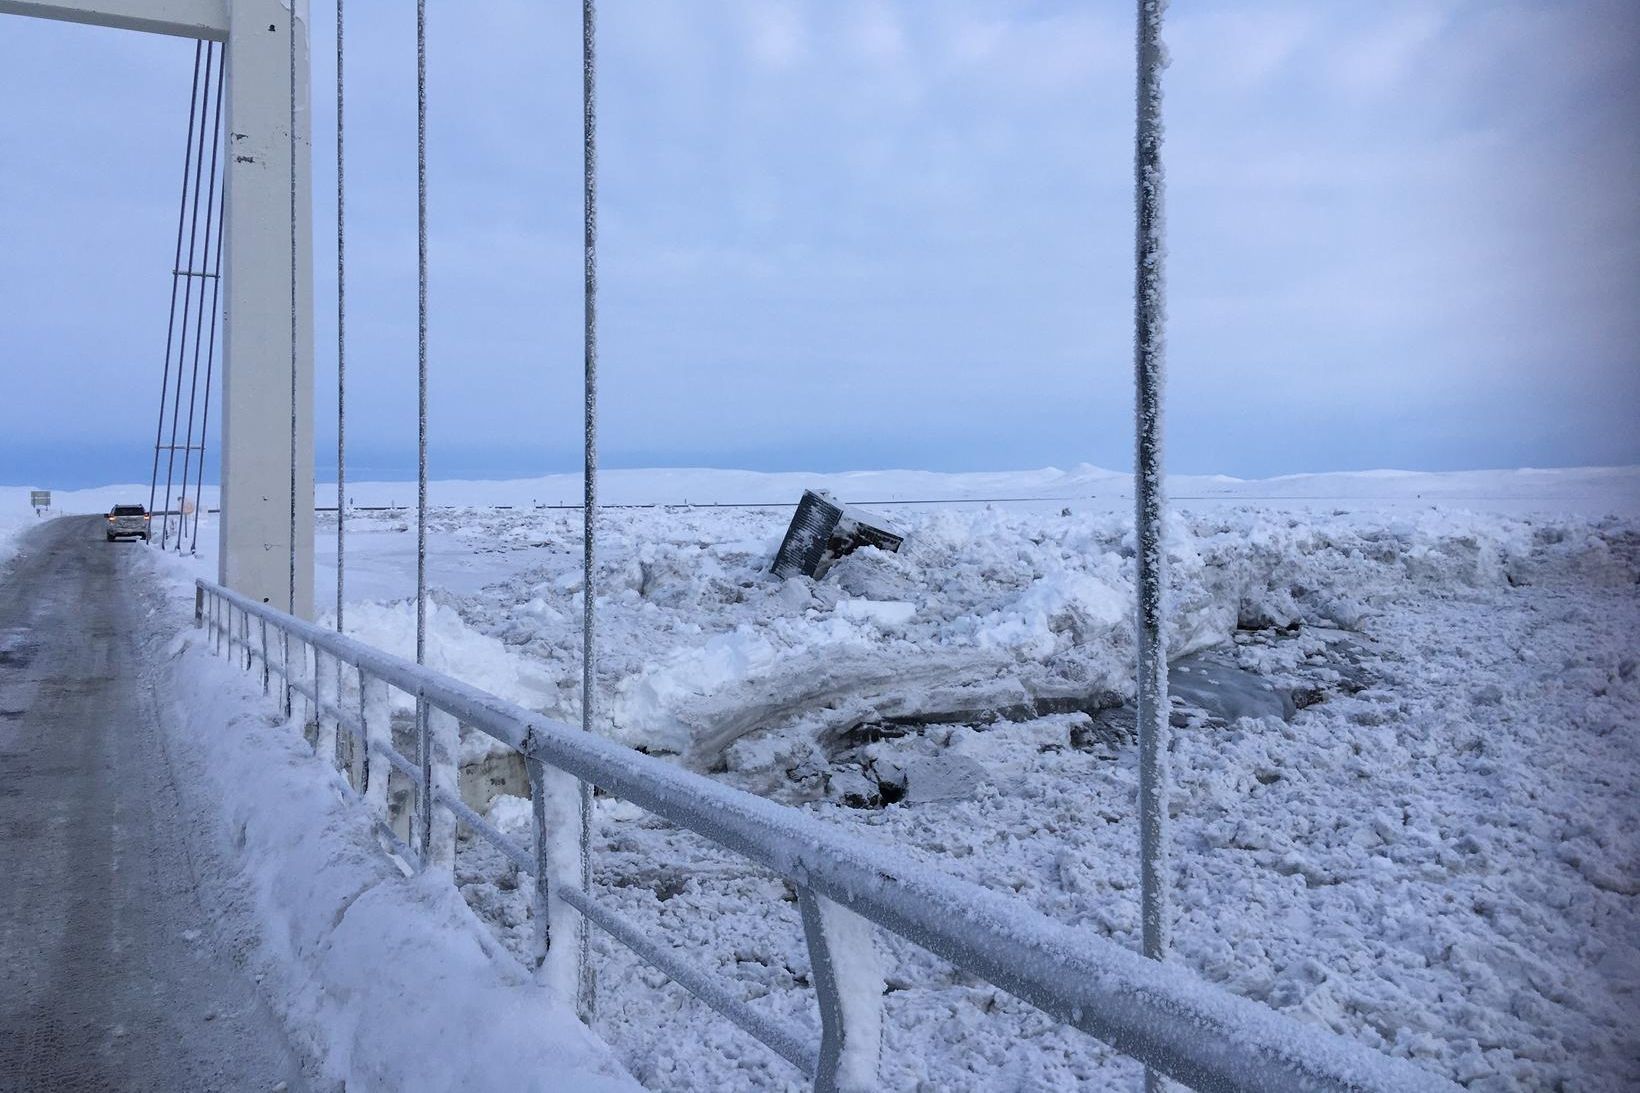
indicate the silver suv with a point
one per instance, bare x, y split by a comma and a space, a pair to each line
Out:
127, 520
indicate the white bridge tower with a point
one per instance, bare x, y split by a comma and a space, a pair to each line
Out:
267, 239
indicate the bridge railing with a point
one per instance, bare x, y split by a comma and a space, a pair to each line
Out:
1160, 1014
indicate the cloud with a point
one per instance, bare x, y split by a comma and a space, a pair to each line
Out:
912, 217
774, 33
1376, 61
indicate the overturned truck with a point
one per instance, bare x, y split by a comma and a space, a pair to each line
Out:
823, 530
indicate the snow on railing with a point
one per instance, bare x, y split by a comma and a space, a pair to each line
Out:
1160, 1014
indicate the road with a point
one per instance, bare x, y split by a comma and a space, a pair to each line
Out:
117, 959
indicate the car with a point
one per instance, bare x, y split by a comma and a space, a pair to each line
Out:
127, 520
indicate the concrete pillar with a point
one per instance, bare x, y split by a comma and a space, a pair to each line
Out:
258, 415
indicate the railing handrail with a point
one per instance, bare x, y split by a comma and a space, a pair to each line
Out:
1160, 1014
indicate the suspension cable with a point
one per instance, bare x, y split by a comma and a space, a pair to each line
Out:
290, 148
589, 509
341, 335
199, 318
1149, 355
176, 264
290, 591
421, 331
423, 728
210, 360
187, 300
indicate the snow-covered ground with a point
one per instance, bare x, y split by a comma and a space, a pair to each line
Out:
1405, 767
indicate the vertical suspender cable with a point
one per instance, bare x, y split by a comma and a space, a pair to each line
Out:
199, 317
589, 510
290, 588
341, 336
422, 726
1149, 352
187, 300
210, 360
176, 264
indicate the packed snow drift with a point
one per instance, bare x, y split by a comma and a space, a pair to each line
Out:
1405, 762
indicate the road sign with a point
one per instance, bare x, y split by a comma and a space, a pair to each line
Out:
40, 499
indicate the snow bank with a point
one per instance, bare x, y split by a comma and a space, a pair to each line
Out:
390, 982
986, 608
1430, 860
458, 651
1596, 490
14, 499
12, 527
1590, 490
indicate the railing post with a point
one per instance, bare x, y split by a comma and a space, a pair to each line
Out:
245, 638
199, 605
359, 749
555, 798
378, 734
423, 833
308, 673
444, 740
848, 982
267, 669
325, 744
284, 665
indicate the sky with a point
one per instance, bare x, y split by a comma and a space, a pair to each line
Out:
841, 234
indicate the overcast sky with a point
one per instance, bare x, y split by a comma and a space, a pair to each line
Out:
843, 235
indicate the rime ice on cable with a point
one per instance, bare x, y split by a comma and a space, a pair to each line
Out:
823, 530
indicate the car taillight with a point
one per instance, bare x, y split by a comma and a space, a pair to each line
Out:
146, 517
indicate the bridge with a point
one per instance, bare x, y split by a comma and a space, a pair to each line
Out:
107, 793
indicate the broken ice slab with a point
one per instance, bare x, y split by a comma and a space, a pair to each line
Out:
942, 777
823, 530
1224, 690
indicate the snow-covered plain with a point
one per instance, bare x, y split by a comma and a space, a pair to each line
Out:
1404, 797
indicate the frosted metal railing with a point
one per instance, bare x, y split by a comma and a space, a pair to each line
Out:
1160, 1014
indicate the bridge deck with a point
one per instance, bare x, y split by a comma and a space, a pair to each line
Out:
116, 948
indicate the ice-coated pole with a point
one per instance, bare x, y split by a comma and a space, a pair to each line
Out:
589, 509
423, 727
1149, 345
341, 323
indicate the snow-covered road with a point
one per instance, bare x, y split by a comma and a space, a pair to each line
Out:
119, 969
